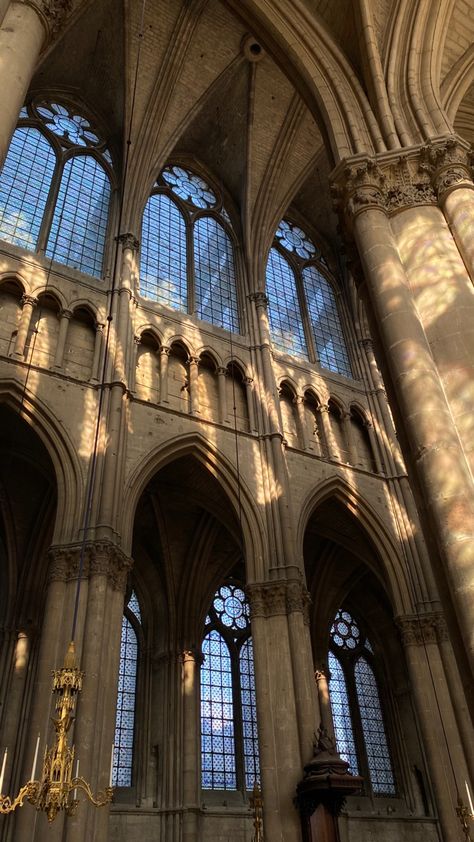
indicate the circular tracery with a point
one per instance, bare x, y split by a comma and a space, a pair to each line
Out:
231, 607
189, 187
293, 239
345, 632
68, 125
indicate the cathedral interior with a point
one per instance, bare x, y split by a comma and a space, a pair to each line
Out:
236, 417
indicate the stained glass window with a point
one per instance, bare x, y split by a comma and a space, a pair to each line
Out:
303, 312
355, 698
342, 715
229, 740
216, 294
187, 260
77, 188
284, 310
25, 182
125, 716
378, 756
325, 322
79, 225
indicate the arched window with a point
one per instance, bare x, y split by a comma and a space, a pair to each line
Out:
187, 254
229, 741
55, 187
126, 696
302, 306
359, 724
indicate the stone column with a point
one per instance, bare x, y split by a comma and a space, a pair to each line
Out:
298, 400
98, 344
307, 706
222, 387
280, 759
440, 735
435, 450
28, 305
373, 445
322, 682
248, 381
164, 359
64, 318
24, 32
349, 437
193, 364
130, 246
191, 753
331, 446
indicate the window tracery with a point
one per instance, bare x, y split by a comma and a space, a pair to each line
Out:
125, 716
187, 254
229, 740
356, 706
55, 187
303, 311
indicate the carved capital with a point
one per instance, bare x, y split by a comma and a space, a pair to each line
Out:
422, 629
259, 299
53, 13
322, 673
192, 360
100, 558
99, 326
66, 314
28, 299
269, 599
298, 599
221, 371
128, 241
248, 381
448, 164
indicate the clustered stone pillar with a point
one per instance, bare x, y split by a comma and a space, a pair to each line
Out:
23, 34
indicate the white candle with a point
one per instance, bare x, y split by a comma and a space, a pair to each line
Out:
74, 795
111, 765
2, 773
35, 759
471, 806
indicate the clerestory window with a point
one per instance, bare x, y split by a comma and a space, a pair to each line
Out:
55, 187
187, 259
229, 740
122, 772
302, 304
359, 724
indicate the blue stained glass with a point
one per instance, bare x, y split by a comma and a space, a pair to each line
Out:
325, 321
214, 274
24, 187
217, 715
79, 225
342, 715
249, 715
378, 755
283, 306
163, 253
125, 716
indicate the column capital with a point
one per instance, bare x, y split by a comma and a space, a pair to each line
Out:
165, 350
268, 599
417, 630
193, 360
101, 558
128, 241
66, 314
448, 161
221, 371
53, 13
322, 672
259, 298
248, 381
99, 326
28, 299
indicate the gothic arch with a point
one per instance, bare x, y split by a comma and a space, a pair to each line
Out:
222, 470
391, 570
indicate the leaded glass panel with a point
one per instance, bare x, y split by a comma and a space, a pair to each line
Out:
342, 715
79, 225
283, 306
24, 187
249, 715
189, 187
214, 275
217, 715
325, 321
378, 755
125, 716
293, 238
232, 607
163, 253
345, 632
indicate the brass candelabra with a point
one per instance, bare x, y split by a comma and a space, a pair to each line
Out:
256, 804
466, 817
56, 790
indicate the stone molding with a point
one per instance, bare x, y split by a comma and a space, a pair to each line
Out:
417, 630
53, 13
259, 298
395, 181
270, 599
101, 558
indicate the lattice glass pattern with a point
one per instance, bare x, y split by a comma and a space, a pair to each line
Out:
125, 717
325, 321
163, 253
378, 755
342, 715
344, 631
232, 607
217, 715
214, 275
283, 306
79, 225
24, 187
134, 606
249, 715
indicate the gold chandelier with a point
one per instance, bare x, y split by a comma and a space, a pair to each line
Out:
56, 790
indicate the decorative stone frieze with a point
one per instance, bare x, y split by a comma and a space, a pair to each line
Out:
269, 599
52, 12
417, 630
101, 558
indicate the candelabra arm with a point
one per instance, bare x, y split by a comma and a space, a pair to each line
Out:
103, 798
28, 792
